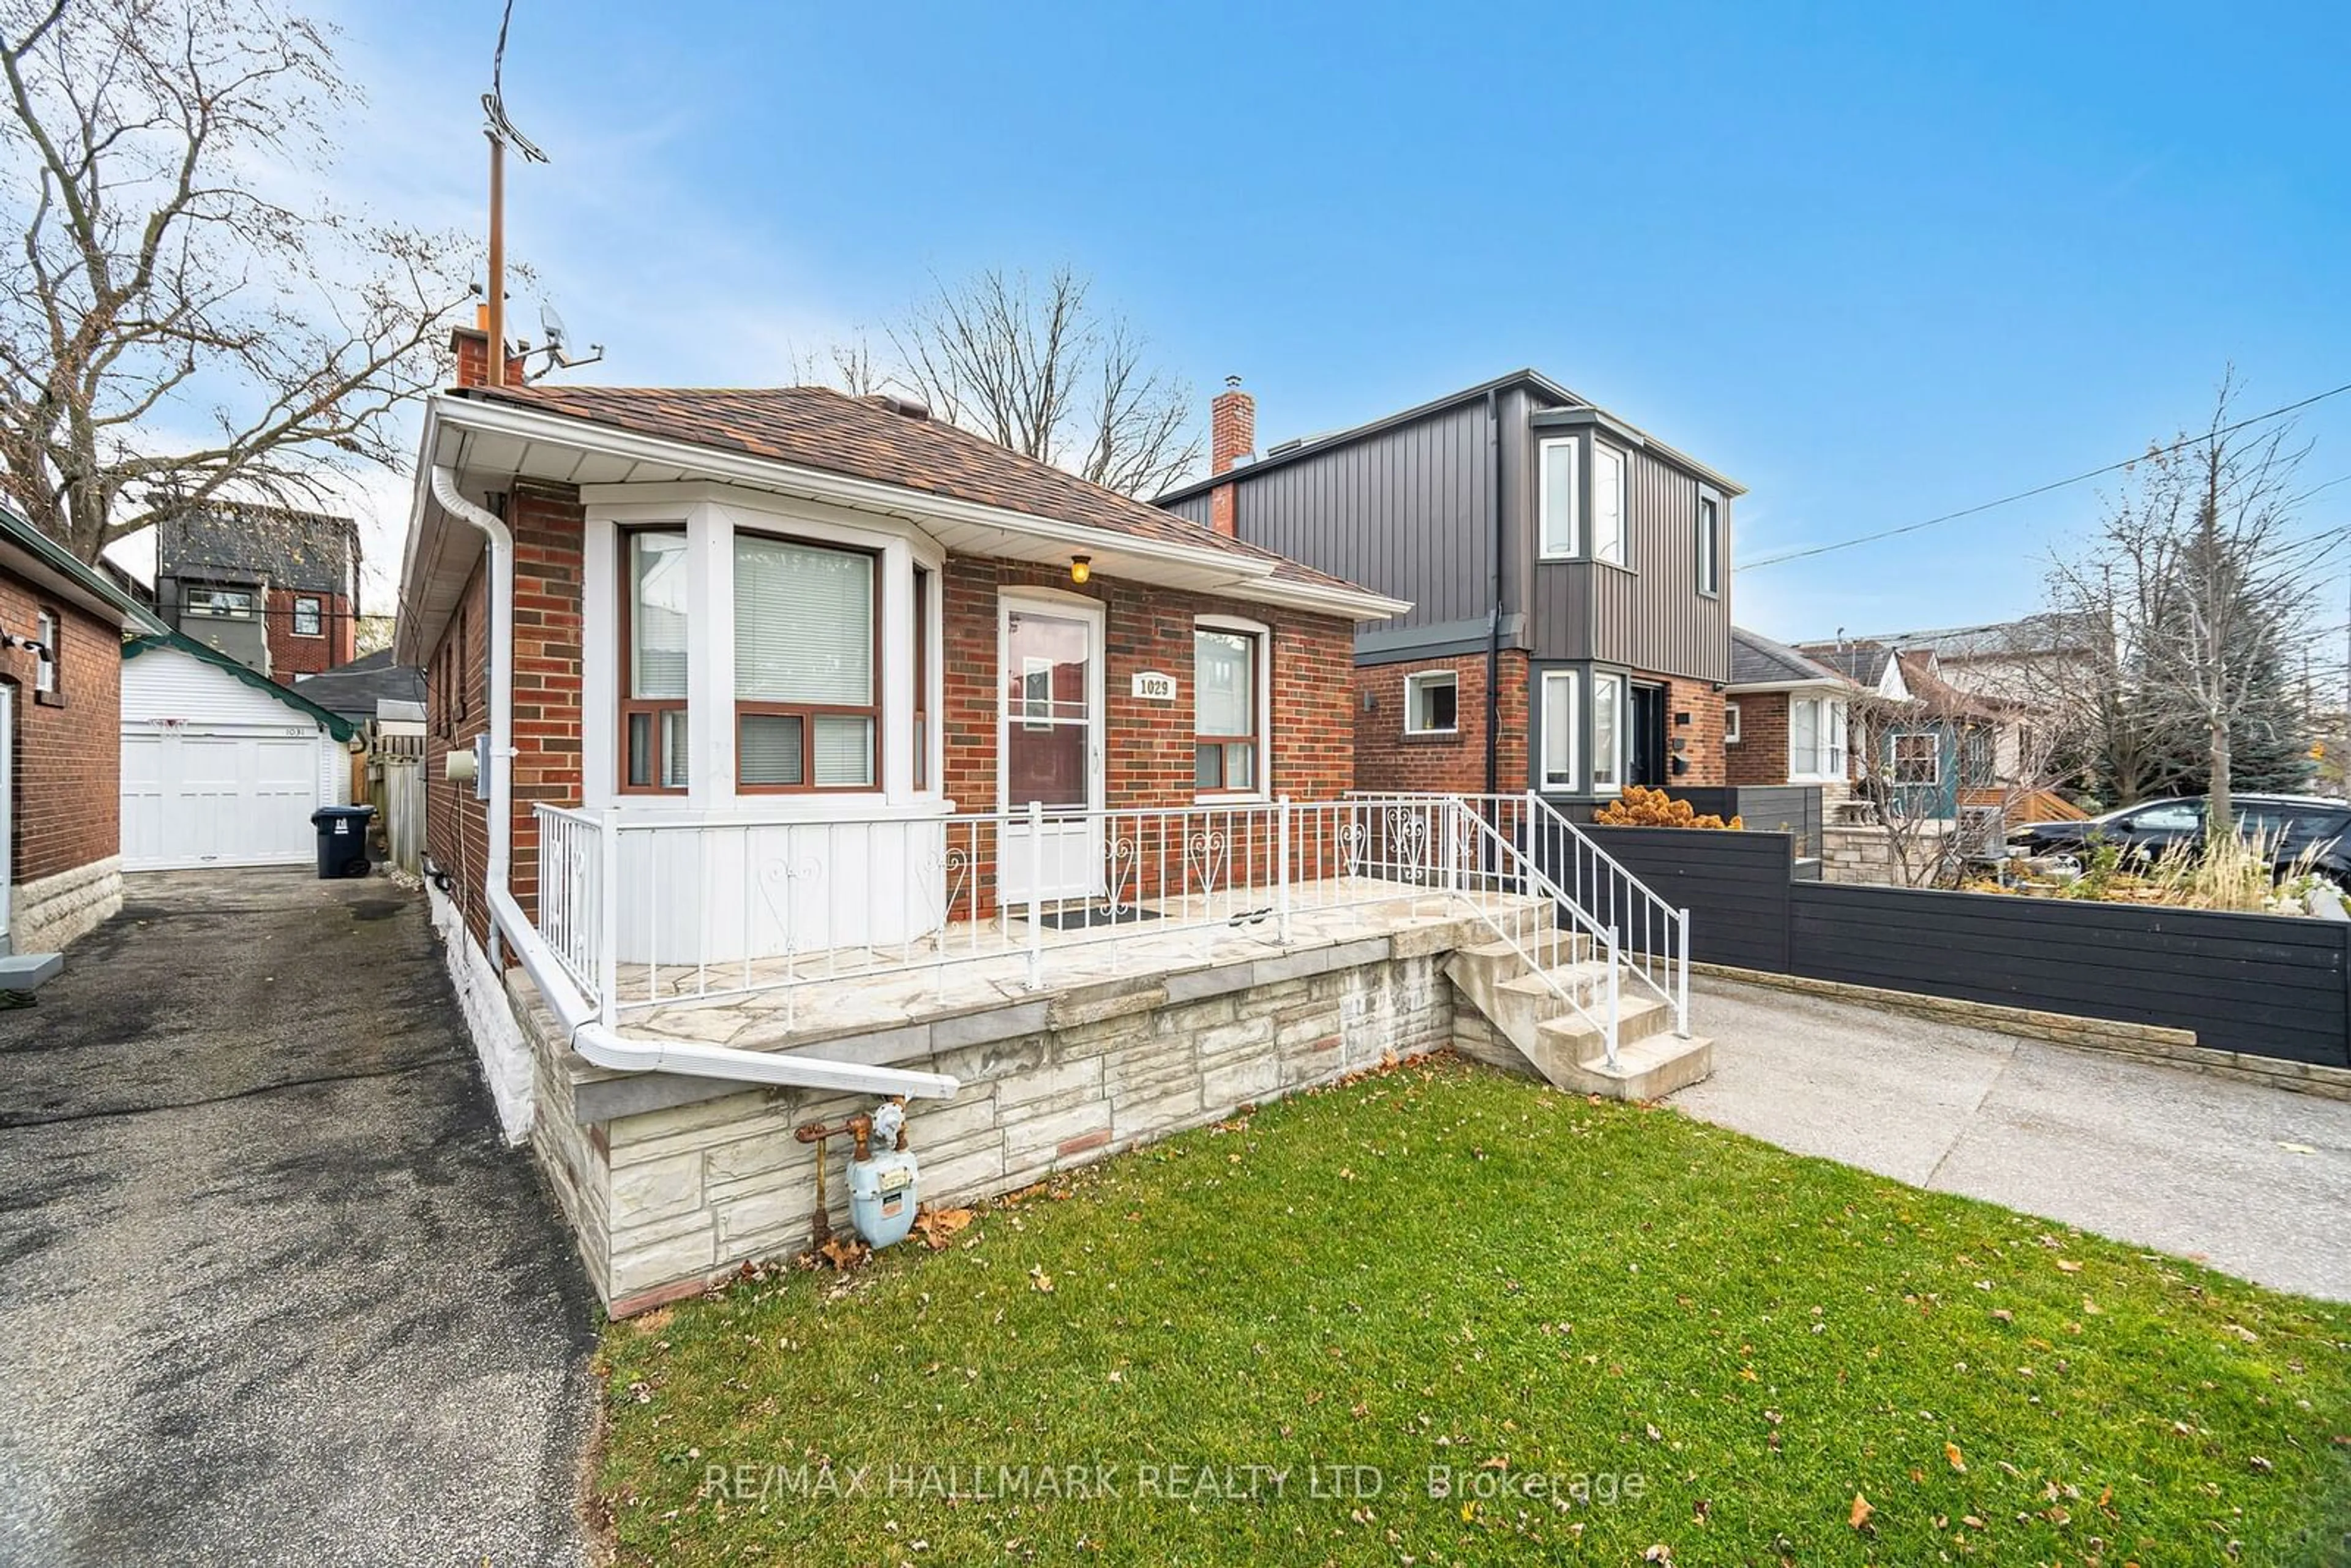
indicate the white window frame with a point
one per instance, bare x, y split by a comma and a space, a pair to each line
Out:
711, 513
1624, 723
1832, 728
1893, 768
1549, 549
1263, 789
1624, 556
1709, 544
1419, 681
1730, 724
317, 616
44, 670
200, 599
1562, 783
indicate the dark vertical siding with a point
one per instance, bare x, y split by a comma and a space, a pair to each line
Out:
1652, 617
1402, 512
1195, 510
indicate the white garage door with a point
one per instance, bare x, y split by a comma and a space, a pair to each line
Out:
219, 795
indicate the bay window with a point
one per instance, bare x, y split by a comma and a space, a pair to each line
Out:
806, 714
1227, 713
652, 641
1816, 739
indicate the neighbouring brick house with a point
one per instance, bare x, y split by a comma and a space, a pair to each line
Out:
1785, 717
60, 741
1568, 576
275, 589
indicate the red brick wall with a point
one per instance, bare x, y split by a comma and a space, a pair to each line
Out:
291, 655
1760, 755
1150, 760
69, 753
1388, 758
1702, 736
548, 528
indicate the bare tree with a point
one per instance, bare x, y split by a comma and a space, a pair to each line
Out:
1032, 365
2208, 591
176, 325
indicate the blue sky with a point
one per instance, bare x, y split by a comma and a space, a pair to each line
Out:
1878, 262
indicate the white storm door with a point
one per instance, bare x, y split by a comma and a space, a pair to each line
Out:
1049, 750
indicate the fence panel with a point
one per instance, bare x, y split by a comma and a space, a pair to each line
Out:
2271, 985
1735, 885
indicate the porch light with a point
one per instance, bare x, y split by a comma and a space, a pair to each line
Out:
1081, 567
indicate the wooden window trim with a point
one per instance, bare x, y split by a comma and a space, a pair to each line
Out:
808, 713
1260, 746
627, 705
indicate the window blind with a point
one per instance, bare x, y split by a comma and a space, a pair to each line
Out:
803, 624
1225, 683
768, 748
657, 615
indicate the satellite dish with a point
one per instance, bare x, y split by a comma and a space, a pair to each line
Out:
551, 326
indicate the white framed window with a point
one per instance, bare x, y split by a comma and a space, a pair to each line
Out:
1608, 509
1709, 545
217, 604
309, 618
1556, 499
1607, 733
653, 693
1562, 716
1816, 738
45, 673
1914, 757
1730, 724
807, 709
1432, 703
1230, 696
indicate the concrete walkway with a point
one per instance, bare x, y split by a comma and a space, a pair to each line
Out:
2254, 1181
274, 1290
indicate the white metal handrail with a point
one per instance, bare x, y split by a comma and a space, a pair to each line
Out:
1545, 959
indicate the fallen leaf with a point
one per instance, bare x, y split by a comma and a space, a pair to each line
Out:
934, 1226
1661, 1552
1038, 1279
2003, 1315
1951, 1452
1861, 1512
2067, 1265
845, 1252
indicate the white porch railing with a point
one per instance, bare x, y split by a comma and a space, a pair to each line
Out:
644, 913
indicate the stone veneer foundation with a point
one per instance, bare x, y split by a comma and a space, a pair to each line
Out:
47, 914
669, 1182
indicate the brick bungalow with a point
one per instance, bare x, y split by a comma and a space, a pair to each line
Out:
799, 604
61, 631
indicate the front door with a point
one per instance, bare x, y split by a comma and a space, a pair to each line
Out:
1051, 750
1645, 759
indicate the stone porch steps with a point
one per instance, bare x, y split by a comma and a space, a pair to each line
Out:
1567, 1049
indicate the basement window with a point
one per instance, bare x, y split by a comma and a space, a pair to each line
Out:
1431, 702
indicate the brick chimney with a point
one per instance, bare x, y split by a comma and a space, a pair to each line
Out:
472, 347
1232, 435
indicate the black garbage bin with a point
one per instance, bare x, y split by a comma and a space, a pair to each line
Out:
342, 840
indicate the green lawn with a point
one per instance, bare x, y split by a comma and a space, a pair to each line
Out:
1617, 1330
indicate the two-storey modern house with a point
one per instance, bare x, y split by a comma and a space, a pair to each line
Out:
1569, 575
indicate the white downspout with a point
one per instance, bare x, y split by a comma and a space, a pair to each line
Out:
603, 1046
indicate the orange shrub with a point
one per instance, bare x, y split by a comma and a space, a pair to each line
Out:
1641, 806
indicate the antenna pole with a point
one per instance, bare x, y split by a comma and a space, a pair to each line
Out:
497, 313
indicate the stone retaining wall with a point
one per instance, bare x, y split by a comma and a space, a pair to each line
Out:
665, 1198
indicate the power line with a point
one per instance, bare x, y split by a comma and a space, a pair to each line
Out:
2042, 489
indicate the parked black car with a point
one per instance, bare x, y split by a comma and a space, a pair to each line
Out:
2299, 831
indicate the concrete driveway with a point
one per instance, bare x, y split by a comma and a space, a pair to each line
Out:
2254, 1181
271, 1288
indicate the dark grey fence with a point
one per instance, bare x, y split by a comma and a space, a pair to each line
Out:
2268, 985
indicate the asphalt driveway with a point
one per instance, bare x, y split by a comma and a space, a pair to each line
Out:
2253, 1180
272, 1289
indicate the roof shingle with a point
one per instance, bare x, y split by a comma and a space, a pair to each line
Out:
816, 427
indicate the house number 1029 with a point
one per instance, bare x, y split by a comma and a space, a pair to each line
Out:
1152, 686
